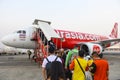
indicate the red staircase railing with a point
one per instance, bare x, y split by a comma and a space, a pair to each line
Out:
41, 45
41, 51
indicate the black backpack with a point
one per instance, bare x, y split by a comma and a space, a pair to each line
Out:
48, 65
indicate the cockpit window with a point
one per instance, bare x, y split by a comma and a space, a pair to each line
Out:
21, 31
24, 32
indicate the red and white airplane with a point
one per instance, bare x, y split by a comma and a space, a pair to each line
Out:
89, 42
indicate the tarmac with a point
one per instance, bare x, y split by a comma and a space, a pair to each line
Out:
114, 66
19, 67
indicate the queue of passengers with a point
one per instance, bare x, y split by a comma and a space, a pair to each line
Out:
71, 65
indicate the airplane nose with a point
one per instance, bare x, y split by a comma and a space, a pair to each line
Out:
5, 40
9, 40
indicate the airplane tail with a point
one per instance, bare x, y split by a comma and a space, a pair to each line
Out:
114, 33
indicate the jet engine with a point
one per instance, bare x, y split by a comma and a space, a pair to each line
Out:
89, 48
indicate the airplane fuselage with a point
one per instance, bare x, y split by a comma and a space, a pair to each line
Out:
71, 38
22, 38
67, 39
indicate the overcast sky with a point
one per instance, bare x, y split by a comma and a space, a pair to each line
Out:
91, 16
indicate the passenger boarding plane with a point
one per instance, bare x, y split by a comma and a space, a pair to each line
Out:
89, 42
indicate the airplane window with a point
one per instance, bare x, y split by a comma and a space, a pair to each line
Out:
24, 32
19, 31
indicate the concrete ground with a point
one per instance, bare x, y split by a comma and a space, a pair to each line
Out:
19, 67
114, 65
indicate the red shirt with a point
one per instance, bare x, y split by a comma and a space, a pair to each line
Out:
102, 69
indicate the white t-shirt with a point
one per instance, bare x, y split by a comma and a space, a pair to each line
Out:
50, 58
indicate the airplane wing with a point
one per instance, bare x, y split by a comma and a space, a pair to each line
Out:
104, 43
107, 41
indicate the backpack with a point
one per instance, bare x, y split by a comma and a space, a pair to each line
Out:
48, 65
92, 67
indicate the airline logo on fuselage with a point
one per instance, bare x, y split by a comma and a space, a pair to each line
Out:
80, 36
96, 48
22, 36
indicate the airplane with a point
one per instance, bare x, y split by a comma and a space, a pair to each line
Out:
6, 50
23, 38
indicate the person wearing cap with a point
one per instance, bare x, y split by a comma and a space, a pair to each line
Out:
102, 67
51, 58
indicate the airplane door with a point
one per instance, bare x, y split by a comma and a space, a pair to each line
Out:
32, 32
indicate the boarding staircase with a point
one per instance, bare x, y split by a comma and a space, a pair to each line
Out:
41, 48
